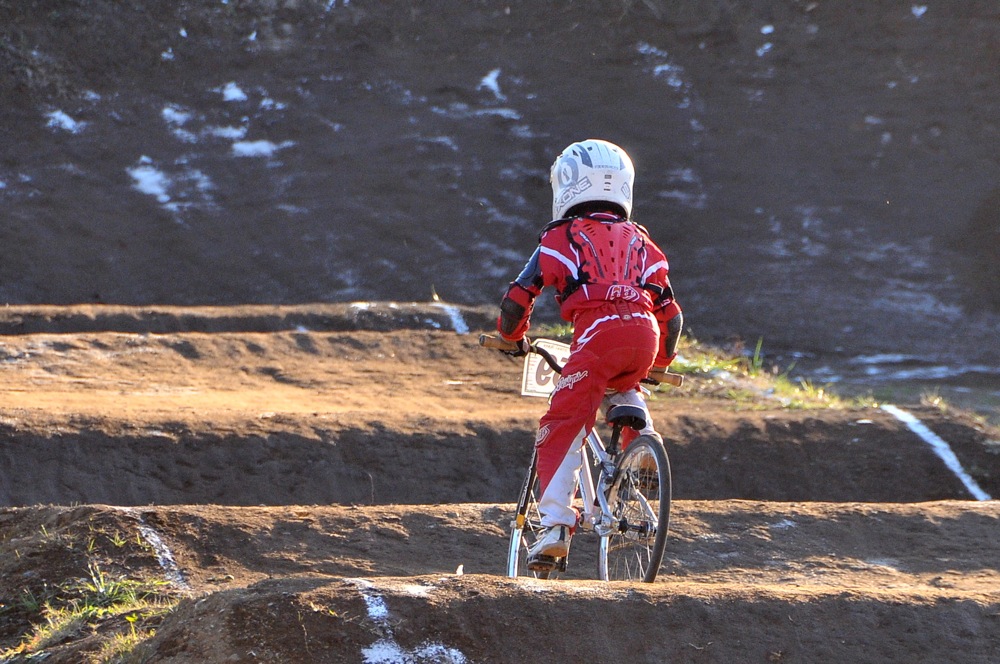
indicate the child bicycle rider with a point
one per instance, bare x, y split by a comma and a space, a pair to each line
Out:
611, 281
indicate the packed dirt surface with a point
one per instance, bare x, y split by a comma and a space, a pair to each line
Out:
194, 414
342, 494
833, 158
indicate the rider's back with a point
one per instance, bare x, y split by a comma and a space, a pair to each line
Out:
600, 258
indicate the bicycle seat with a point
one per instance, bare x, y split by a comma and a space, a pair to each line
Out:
629, 416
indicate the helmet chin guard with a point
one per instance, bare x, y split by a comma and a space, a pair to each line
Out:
591, 170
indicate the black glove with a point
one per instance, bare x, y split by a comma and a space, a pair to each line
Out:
523, 347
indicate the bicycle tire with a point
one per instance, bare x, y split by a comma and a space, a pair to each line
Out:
525, 527
639, 497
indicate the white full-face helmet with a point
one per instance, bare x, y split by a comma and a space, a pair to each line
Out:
591, 170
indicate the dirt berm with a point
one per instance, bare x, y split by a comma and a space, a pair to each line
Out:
338, 493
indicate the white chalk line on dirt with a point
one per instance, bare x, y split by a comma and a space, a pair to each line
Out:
386, 650
940, 447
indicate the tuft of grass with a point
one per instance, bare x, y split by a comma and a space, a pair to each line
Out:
744, 379
803, 394
694, 358
735, 375
555, 331
86, 604
756, 363
117, 539
933, 399
118, 648
28, 601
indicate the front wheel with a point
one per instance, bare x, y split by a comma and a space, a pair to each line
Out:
640, 503
525, 529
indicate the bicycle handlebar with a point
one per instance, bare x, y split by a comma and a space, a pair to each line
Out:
499, 343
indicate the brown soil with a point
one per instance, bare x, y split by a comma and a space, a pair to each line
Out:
331, 482
340, 493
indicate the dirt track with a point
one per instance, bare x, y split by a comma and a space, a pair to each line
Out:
305, 482
308, 479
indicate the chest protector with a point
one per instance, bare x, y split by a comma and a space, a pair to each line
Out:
611, 257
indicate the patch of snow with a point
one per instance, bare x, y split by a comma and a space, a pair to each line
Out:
231, 133
665, 68
891, 563
61, 120
491, 82
190, 186
268, 104
457, 322
232, 92
258, 148
175, 115
386, 650
446, 141
150, 180
417, 590
460, 111
163, 554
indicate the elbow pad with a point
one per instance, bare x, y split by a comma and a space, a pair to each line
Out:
511, 315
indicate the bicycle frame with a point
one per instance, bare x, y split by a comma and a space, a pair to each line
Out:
629, 510
596, 510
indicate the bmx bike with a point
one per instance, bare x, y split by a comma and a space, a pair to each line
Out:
623, 495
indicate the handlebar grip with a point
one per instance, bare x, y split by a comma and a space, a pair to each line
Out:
667, 377
498, 343
674, 379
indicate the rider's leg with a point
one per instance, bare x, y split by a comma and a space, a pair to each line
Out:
557, 496
571, 414
618, 357
555, 507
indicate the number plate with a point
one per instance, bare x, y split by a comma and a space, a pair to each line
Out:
538, 379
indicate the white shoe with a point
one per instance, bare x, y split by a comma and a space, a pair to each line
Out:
552, 543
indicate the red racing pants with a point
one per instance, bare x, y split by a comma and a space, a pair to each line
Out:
613, 348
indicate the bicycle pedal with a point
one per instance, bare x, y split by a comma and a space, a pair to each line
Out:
542, 563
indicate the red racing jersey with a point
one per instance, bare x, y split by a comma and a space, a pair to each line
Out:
591, 261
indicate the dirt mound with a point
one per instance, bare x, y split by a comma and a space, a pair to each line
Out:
301, 417
369, 316
745, 581
344, 494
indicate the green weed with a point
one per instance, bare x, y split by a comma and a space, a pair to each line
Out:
555, 331
86, 603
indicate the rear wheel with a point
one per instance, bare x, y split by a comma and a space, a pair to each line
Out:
525, 529
640, 502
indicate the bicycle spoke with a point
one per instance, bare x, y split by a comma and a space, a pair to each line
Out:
525, 529
640, 504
